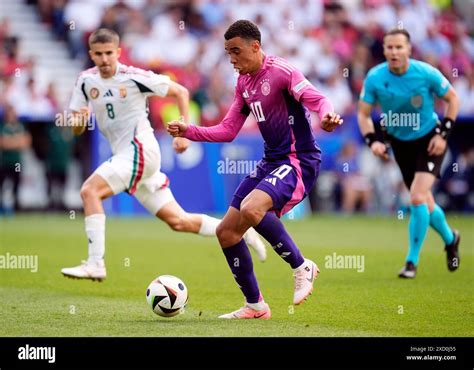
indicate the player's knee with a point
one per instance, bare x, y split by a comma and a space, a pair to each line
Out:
251, 214
417, 198
87, 192
226, 235
221, 231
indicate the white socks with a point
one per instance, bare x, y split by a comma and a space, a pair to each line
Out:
95, 230
208, 225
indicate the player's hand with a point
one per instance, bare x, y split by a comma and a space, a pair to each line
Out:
379, 149
437, 145
330, 121
81, 119
177, 128
180, 144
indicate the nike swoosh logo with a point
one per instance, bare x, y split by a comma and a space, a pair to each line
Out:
312, 274
256, 316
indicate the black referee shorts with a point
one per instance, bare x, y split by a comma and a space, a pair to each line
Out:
412, 156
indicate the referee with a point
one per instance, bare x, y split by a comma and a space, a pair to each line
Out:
406, 88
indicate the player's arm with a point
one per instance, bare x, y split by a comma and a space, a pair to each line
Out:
304, 92
366, 127
454, 103
78, 107
225, 131
438, 143
316, 102
181, 94
441, 87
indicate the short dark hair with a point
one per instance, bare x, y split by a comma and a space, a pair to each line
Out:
398, 31
244, 29
104, 36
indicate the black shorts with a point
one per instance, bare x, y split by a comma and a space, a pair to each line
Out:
412, 156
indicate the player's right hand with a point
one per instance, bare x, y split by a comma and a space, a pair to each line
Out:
380, 150
177, 128
81, 119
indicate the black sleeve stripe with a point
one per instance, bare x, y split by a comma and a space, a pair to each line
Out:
141, 87
245, 110
83, 88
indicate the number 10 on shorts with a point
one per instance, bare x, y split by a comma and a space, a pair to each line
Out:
281, 171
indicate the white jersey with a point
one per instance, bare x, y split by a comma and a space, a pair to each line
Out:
120, 102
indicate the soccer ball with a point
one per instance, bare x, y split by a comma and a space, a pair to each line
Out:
167, 295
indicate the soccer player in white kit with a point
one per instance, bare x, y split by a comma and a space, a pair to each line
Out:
118, 96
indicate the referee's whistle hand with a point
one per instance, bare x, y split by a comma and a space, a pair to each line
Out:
380, 150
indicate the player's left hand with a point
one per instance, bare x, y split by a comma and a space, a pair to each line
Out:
330, 121
180, 144
437, 145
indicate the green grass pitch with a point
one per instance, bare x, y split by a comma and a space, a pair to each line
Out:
344, 302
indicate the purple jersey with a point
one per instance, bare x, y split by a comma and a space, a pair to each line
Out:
278, 96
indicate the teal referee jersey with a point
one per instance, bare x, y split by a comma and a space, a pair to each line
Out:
407, 100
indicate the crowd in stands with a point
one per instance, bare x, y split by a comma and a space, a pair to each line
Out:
334, 43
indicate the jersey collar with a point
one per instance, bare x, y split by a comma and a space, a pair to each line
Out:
262, 68
117, 70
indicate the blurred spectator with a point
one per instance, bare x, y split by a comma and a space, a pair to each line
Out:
459, 183
435, 43
60, 146
13, 139
31, 102
81, 18
357, 69
337, 91
458, 63
355, 186
334, 43
389, 193
464, 86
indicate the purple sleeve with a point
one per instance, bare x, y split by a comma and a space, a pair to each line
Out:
308, 95
225, 131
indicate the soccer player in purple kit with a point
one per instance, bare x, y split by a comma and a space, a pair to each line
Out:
278, 96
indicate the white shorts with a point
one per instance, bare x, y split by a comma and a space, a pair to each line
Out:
136, 170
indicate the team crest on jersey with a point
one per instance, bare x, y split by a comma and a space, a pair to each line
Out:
122, 91
94, 93
266, 88
416, 101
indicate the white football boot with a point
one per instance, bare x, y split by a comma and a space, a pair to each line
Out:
87, 270
259, 310
304, 278
253, 240
247, 312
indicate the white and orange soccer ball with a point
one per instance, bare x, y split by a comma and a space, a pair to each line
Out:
167, 295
